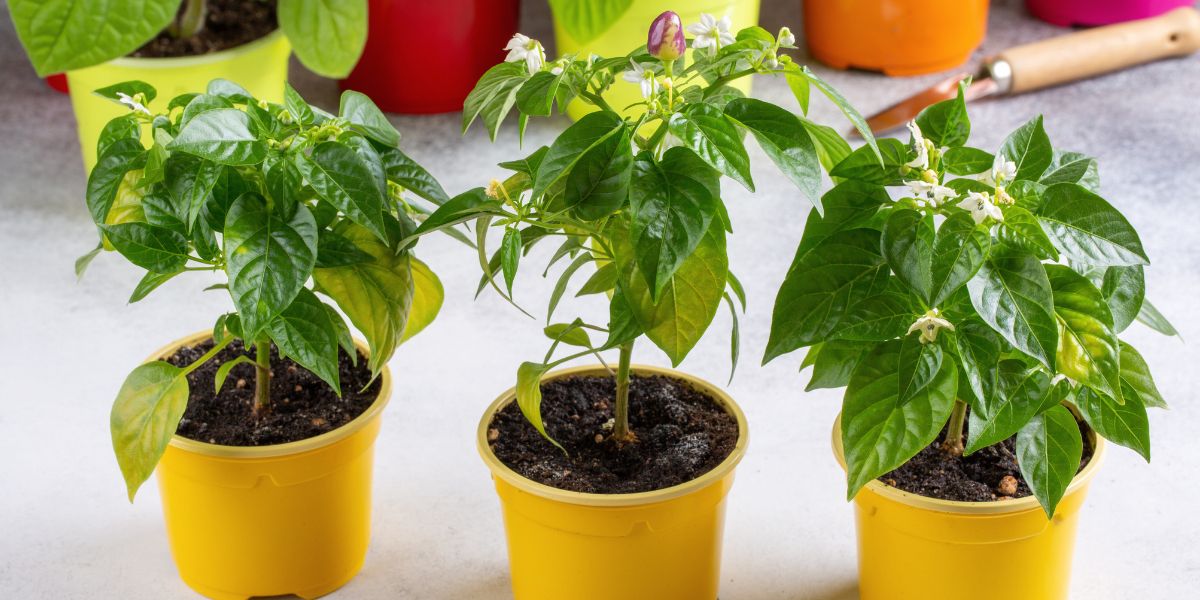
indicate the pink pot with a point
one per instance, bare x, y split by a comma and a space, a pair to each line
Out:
1068, 13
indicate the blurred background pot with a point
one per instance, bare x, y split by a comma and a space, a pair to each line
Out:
260, 66
1068, 13
615, 32
897, 37
425, 56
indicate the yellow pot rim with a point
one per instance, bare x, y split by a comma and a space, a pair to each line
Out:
179, 62
276, 450
718, 472
995, 507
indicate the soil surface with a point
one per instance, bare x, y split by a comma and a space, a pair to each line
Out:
302, 406
987, 475
681, 435
230, 23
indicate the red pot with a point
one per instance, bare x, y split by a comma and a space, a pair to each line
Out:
57, 82
425, 56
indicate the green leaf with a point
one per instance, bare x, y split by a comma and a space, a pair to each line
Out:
468, 205
831, 147
1152, 318
536, 96
221, 135
1021, 228
301, 112
855, 118
907, 245
1124, 289
1049, 449
1019, 395
226, 367
129, 88
833, 362
367, 119
343, 178
689, 301
1123, 424
334, 250
1089, 230
267, 258
587, 133
1029, 147
877, 318
672, 203
230, 91
704, 129
1012, 294
144, 418
962, 160
1073, 167
1135, 376
150, 282
898, 399
1087, 345
978, 350
328, 36
125, 127
598, 183
863, 165
603, 280
560, 287
958, 253
200, 104
568, 333
412, 176
81, 263
510, 256
785, 141
428, 296
822, 285
586, 20
849, 205
376, 295
190, 182
946, 122
63, 35
304, 333
107, 176
529, 396
735, 336
152, 248
494, 95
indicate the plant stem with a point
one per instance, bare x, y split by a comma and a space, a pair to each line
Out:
262, 375
621, 431
190, 19
953, 444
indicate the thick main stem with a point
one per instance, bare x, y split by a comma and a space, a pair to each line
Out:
953, 444
621, 431
262, 375
190, 19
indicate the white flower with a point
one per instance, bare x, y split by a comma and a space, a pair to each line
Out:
522, 47
935, 193
1002, 171
134, 105
929, 325
922, 160
981, 207
645, 77
556, 71
785, 37
711, 33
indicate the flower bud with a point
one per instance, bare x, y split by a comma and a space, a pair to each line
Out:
666, 40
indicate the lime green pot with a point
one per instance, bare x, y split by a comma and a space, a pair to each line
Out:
260, 66
628, 31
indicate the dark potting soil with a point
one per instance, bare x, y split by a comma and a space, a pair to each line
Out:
230, 23
681, 435
302, 406
989, 474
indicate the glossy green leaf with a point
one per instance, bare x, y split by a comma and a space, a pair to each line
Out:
125, 127
603, 280
529, 396
672, 203
1021, 228
704, 129
152, 248
570, 147
598, 183
833, 362
226, 367
328, 37
267, 259
1029, 147
81, 263
510, 256
568, 333
1123, 424
495, 91
1019, 395
978, 351
1049, 449
334, 250
428, 296
343, 178
190, 181
852, 114
878, 318
898, 399
1088, 229
106, 178
301, 112
367, 119
963, 160
907, 245
144, 418
1135, 376
150, 282
958, 252
1088, 350
946, 122
1012, 294
1073, 167
305, 333
831, 147
1152, 318
1124, 289
863, 165
63, 35
412, 176
222, 136
784, 140
849, 205
536, 96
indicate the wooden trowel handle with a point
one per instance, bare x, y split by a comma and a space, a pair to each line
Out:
1101, 50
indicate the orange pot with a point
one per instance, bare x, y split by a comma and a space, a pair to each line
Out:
897, 37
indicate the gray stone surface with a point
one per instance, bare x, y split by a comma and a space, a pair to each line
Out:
66, 530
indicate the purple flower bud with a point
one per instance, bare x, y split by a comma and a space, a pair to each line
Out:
666, 41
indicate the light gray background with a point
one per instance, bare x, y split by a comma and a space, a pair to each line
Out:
66, 530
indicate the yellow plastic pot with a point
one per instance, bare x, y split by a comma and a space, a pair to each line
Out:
629, 31
260, 66
290, 518
911, 547
660, 545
